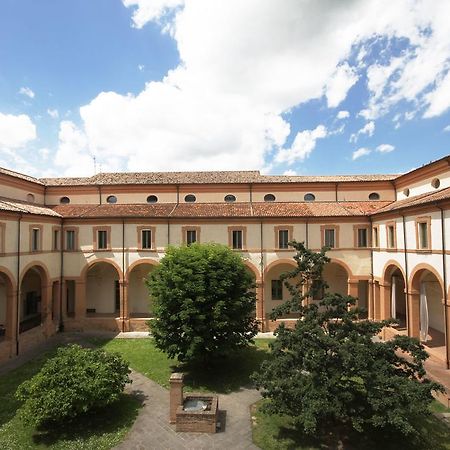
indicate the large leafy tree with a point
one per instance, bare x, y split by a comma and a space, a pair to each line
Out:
332, 370
203, 302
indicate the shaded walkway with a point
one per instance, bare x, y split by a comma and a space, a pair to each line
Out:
153, 431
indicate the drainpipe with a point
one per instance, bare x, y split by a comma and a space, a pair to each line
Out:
405, 253
444, 275
18, 285
336, 191
307, 234
178, 194
168, 231
123, 273
372, 278
99, 194
262, 274
251, 192
61, 277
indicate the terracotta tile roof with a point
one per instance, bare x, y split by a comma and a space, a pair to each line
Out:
11, 173
121, 210
204, 210
224, 177
17, 206
418, 200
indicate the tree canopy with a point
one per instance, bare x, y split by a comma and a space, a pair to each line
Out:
332, 369
203, 302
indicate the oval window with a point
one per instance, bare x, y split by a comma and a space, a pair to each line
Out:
374, 196
406, 192
269, 198
152, 199
309, 197
436, 182
30, 198
190, 198
230, 198
64, 200
111, 199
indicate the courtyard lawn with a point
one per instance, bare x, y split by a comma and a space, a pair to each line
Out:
228, 375
100, 430
274, 432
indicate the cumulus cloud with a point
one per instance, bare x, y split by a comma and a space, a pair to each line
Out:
16, 131
367, 129
343, 114
339, 84
290, 172
27, 92
363, 151
244, 63
150, 10
446, 129
385, 148
53, 113
304, 143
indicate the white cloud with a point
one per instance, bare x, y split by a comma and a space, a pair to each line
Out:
385, 148
26, 91
339, 84
304, 143
290, 173
141, 67
150, 10
16, 131
363, 151
447, 129
244, 63
439, 99
368, 129
53, 113
343, 114
44, 153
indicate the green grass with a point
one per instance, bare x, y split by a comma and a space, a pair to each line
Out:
274, 432
101, 430
227, 375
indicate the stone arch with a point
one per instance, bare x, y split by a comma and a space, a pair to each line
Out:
426, 276
98, 261
7, 295
336, 275
288, 261
34, 294
138, 299
103, 292
252, 268
344, 265
395, 302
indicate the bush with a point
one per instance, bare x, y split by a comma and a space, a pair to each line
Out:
75, 381
203, 302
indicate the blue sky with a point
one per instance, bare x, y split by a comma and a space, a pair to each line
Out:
296, 87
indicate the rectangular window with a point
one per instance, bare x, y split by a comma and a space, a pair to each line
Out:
55, 239
423, 235
146, 239
317, 290
391, 236
102, 239
277, 290
191, 236
330, 237
283, 239
35, 238
376, 241
362, 237
237, 239
70, 240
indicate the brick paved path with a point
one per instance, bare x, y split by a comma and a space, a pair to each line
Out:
153, 431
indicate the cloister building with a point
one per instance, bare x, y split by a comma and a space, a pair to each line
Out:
74, 251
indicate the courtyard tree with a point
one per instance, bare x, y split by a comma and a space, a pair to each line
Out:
203, 302
77, 380
332, 370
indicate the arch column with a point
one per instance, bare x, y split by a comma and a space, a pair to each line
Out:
370, 301
46, 308
385, 301
376, 301
413, 319
260, 304
352, 289
11, 315
123, 294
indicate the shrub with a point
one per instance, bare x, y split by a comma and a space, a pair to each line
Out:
203, 302
75, 381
